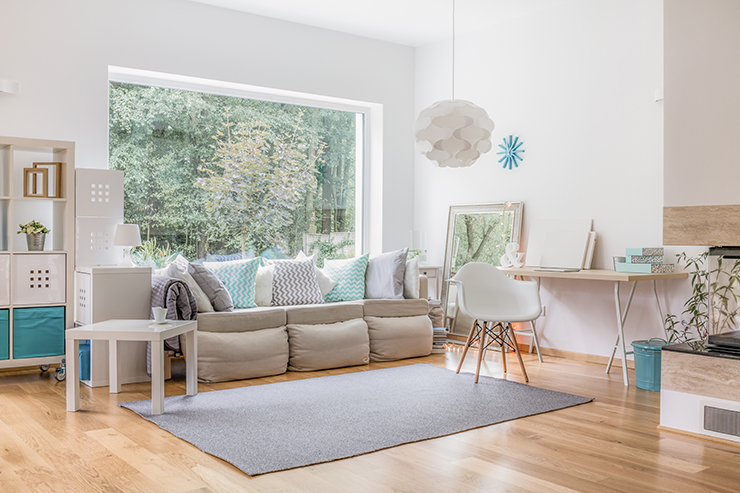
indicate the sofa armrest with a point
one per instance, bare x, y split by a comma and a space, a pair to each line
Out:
423, 287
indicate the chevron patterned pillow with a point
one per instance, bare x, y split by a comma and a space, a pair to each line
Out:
294, 283
350, 277
239, 278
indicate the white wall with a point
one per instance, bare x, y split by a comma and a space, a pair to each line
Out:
576, 82
60, 53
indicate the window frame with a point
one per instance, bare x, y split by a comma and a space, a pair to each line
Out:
368, 175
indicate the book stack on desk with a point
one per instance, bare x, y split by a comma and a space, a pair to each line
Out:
645, 261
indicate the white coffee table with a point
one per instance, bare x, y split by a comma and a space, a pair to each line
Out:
132, 330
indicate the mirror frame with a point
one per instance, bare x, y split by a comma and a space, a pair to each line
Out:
455, 211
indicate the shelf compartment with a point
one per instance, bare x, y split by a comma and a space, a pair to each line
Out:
38, 332
4, 335
4, 279
49, 212
39, 279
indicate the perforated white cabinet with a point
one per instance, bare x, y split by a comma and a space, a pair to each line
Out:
107, 293
4, 280
39, 279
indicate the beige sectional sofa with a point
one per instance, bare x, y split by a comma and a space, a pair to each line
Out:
266, 341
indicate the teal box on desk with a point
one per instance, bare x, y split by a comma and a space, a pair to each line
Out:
4, 335
644, 268
38, 332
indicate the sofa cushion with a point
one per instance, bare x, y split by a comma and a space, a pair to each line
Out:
263, 285
226, 356
322, 346
239, 278
324, 314
294, 283
395, 308
242, 320
350, 277
394, 338
178, 269
325, 282
384, 277
212, 287
411, 286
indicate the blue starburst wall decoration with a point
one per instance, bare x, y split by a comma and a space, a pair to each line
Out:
511, 151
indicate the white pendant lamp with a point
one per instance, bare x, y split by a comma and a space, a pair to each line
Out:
453, 133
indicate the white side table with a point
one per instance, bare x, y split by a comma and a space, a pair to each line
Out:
133, 330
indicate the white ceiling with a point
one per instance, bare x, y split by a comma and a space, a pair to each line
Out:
408, 22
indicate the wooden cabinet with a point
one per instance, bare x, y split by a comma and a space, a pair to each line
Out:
36, 292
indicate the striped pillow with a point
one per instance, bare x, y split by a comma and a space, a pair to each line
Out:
350, 277
294, 283
239, 277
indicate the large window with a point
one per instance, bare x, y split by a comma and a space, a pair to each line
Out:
208, 174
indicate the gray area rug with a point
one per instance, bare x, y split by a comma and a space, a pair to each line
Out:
278, 426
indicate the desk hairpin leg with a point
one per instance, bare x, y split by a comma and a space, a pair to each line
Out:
621, 318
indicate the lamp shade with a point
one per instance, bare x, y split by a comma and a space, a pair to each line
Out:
453, 133
127, 235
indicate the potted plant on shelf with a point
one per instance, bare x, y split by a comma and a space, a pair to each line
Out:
35, 235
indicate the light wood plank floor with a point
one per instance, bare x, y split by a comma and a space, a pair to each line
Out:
612, 444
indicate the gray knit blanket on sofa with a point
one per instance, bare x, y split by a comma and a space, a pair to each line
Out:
175, 295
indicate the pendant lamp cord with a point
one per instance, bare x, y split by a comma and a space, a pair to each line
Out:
453, 50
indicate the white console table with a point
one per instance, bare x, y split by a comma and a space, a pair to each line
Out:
133, 330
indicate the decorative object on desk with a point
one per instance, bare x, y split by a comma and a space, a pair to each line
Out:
370, 410
127, 236
477, 233
713, 305
35, 182
35, 235
512, 257
160, 314
453, 133
53, 178
644, 261
570, 229
510, 152
618, 260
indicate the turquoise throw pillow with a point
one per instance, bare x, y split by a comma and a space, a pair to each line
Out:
349, 275
239, 277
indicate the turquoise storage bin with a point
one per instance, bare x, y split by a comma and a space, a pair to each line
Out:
647, 363
38, 332
85, 360
4, 335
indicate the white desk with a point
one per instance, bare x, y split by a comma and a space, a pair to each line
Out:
132, 330
616, 278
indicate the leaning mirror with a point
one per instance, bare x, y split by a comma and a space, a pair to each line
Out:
475, 233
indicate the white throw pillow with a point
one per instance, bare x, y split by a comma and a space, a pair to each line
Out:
384, 278
326, 284
411, 280
179, 270
263, 293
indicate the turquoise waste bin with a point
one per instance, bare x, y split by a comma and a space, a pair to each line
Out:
647, 363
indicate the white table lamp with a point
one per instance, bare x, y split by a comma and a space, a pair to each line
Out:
127, 236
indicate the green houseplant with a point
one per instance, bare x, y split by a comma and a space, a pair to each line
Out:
35, 235
712, 306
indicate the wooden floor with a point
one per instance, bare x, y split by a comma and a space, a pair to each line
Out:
611, 444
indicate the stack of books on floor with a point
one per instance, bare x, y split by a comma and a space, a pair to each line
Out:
645, 261
439, 339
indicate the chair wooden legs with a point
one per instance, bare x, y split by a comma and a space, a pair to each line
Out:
505, 332
481, 349
512, 337
467, 345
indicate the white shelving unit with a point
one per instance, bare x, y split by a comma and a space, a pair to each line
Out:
36, 288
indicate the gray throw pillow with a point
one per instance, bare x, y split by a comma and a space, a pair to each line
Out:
213, 288
294, 283
384, 277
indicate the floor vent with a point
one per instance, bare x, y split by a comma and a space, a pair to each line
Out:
722, 421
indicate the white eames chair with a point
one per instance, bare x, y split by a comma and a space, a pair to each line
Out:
494, 301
